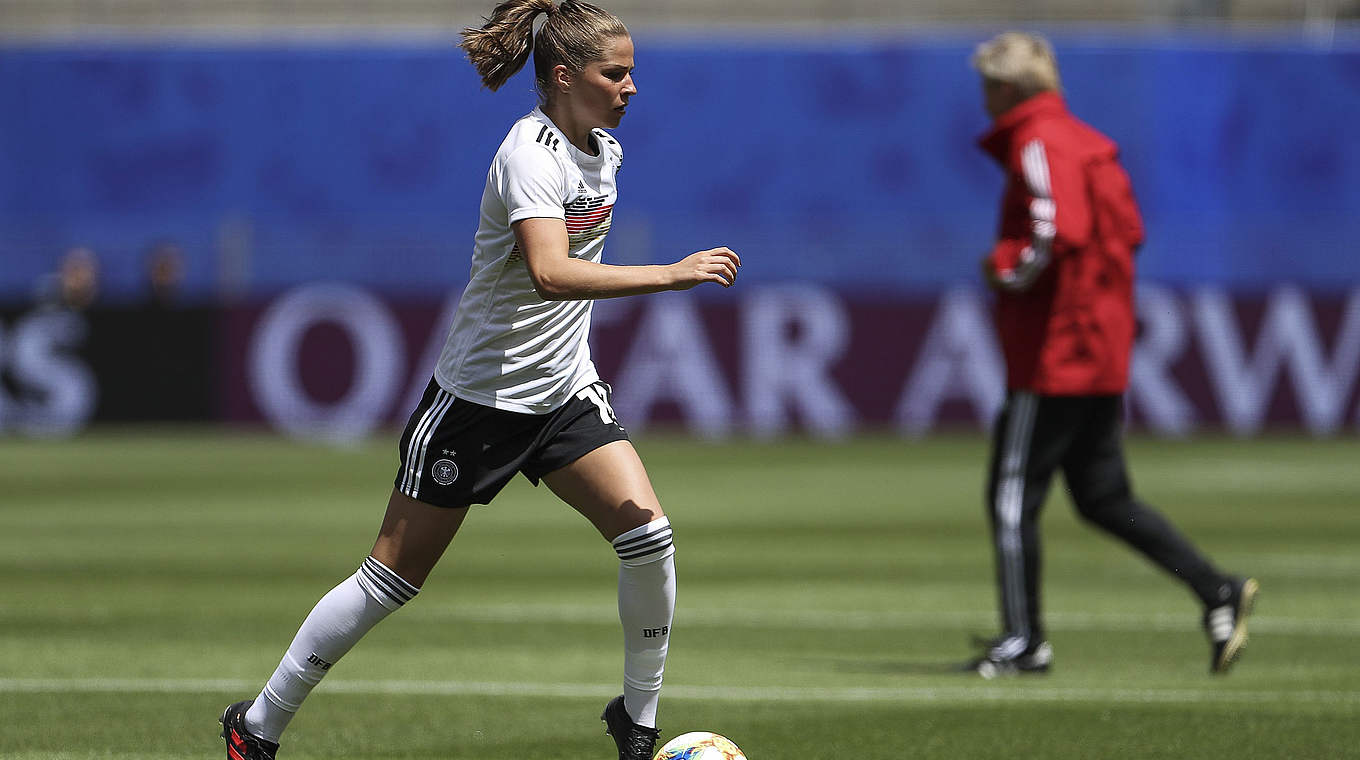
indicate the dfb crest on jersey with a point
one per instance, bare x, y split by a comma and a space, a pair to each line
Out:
444, 472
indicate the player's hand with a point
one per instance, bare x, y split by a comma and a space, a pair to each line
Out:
714, 265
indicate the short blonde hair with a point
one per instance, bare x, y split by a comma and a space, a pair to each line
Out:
1019, 58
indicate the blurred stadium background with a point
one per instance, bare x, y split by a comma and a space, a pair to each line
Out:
231, 233
301, 177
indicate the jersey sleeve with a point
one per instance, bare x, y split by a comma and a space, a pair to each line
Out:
532, 184
1059, 208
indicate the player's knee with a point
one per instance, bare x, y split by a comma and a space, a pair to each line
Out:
384, 585
1103, 508
645, 544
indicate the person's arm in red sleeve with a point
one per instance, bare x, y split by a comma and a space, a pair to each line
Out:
1059, 212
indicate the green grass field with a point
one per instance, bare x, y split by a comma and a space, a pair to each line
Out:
148, 578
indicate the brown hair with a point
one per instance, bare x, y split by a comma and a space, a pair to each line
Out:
574, 35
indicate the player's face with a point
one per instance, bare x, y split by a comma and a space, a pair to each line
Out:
600, 96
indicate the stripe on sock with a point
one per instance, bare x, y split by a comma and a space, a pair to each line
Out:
646, 542
385, 582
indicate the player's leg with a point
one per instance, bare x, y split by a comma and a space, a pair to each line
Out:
425, 509
588, 462
611, 488
410, 542
414, 535
1030, 434
1097, 476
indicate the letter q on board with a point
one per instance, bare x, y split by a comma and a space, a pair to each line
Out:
379, 357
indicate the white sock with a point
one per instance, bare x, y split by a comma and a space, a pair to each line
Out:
646, 609
335, 625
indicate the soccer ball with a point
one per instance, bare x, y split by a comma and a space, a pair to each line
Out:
699, 745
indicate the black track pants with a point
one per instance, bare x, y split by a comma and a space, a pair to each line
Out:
1035, 436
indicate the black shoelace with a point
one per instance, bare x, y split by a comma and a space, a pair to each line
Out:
641, 741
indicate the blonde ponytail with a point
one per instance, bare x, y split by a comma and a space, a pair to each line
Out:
501, 46
574, 35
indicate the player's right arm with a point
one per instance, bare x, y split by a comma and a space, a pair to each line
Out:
1011, 265
559, 277
1058, 209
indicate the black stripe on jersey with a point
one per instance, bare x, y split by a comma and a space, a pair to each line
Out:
547, 138
586, 203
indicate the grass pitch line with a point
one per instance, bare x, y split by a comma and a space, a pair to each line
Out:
877, 620
1027, 692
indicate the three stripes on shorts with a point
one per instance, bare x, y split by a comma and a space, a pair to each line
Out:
420, 441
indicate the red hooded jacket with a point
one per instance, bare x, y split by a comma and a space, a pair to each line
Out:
1063, 261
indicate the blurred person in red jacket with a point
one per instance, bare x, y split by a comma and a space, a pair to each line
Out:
1062, 271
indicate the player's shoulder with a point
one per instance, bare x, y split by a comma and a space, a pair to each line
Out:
1062, 135
533, 144
534, 130
609, 145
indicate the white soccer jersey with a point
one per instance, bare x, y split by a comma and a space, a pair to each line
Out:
508, 348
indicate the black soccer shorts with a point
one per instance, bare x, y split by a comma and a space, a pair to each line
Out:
455, 453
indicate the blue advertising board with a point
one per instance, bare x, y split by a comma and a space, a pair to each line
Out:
849, 161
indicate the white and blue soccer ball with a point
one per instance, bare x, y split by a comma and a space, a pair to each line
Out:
699, 745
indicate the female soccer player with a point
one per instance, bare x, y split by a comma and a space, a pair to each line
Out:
515, 389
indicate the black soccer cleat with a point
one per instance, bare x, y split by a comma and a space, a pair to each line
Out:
241, 744
635, 742
1226, 624
997, 661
